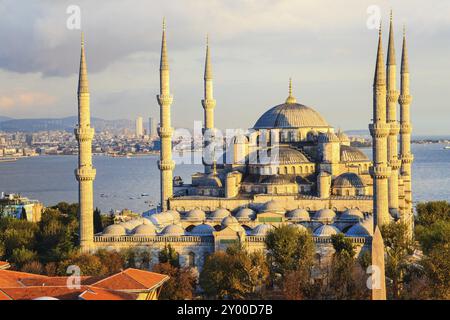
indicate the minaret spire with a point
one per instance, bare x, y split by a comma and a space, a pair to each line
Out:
209, 104
290, 99
85, 173
166, 164
406, 156
391, 102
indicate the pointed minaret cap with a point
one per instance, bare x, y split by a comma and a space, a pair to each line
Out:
391, 46
83, 83
164, 65
208, 67
380, 75
405, 67
290, 99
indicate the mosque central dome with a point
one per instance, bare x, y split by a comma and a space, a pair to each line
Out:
290, 114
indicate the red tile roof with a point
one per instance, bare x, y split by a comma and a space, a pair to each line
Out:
132, 280
55, 281
30, 293
93, 293
10, 278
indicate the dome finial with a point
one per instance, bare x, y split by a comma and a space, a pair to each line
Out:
290, 99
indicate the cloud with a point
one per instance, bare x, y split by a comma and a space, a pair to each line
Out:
25, 99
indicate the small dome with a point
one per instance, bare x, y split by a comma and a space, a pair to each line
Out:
195, 215
326, 230
325, 215
299, 215
115, 230
202, 230
173, 230
135, 222
262, 229
212, 180
145, 230
348, 180
351, 215
362, 229
46, 298
162, 218
299, 227
273, 206
245, 214
229, 221
175, 214
350, 154
219, 214
286, 155
328, 137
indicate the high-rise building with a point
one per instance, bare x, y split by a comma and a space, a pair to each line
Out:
153, 127
139, 127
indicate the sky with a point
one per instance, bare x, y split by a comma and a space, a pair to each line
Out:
328, 47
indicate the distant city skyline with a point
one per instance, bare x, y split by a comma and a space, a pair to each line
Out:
255, 47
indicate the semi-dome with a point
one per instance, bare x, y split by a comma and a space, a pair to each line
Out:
173, 230
325, 215
273, 206
299, 215
229, 221
348, 180
352, 154
326, 230
290, 115
326, 137
299, 227
352, 215
262, 229
362, 229
245, 214
286, 155
219, 214
175, 214
202, 230
115, 230
195, 215
145, 230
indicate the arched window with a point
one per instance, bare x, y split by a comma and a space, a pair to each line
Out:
191, 259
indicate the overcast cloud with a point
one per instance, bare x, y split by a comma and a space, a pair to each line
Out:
324, 45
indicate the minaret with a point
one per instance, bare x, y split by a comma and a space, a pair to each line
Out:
406, 156
209, 103
165, 131
85, 173
379, 130
392, 98
380, 171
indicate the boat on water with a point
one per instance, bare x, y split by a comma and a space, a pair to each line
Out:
7, 159
447, 147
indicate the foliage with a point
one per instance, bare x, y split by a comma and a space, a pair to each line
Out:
169, 255
437, 270
22, 256
181, 284
234, 274
89, 264
98, 225
34, 267
433, 235
430, 212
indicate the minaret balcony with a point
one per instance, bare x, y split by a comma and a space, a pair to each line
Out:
406, 158
85, 174
165, 165
395, 164
405, 128
405, 99
165, 132
395, 128
379, 129
392, 96
209, 103
165, 99
84, 134
380, 171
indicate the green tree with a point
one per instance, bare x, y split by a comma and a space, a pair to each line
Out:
90, 265
23, 214
432, 211
112, 260
437, 270
433, 235
289, 249
22, 256
181, 284
234, 274
398, 248
168, 254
